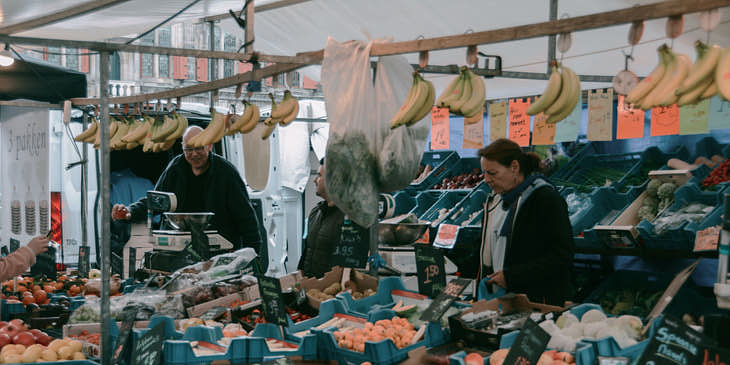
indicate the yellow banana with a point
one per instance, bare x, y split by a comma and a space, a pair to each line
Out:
648, 83
148, 144
452, 92
168, 126
693, 96
427, 105
245, 117
466, 92
707, 58
684, 64
116, 141
138, 133
90, 130
113, 127
284, 109
132, 145
214, 132
164, 146
268, 130
237, 122
293, 115
474, 105
574, 97
253, 120
552, 90
566, 92
182, 125
722, 74
419, 98
710, 91
398, 119
202, 137
653, 98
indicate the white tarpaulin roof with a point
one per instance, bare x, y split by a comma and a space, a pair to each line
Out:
305, 27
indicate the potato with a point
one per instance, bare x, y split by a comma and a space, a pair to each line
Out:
49, 355
65, 353
78, 356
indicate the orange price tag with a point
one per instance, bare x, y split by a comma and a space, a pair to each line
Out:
707, 239
425, 238
446, 236
439, 128
519, 121
630, 121
542, 133
665, 120
474, 131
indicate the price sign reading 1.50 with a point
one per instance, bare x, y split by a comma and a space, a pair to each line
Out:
430, 269
431, 272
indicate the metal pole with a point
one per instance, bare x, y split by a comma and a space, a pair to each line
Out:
106, 345
551, 39
211, 69
84, 185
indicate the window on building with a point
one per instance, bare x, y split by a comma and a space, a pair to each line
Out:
229, 45
192, 67
147, 61
54, 55
164, 39
294, 79
72, 58
116, 67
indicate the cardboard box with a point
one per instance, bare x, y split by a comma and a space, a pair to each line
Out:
362, 281
622, 232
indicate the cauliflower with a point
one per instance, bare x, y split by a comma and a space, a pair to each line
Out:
567, 319
647, 213
593, 315
653, 187
550, 327
562, 342
666, 191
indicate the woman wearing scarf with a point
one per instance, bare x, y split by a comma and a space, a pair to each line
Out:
527, 240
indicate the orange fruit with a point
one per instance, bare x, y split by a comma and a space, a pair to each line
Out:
28, 299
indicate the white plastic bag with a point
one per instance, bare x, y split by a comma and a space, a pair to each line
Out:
400, 149
350, 160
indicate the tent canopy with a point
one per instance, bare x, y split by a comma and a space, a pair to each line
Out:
39, 80
305, 25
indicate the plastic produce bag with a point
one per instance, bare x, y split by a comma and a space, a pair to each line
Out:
351, 163
400, 149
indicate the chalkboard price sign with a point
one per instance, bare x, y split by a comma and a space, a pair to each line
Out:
353, 248
674, 342
122, 349
148, 349
14, 245
270, 290
431, 272
528, 345
443, 301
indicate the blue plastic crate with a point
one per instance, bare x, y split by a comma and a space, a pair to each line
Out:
72, 362
169, 328
8, 309
473, 202
605, 205
424, 201
382, 299
327, 310
179, 352
578, 175
440, 162
382, 352
589, 148
679, 238
258, 350
448, 200
651, 159
463, 166
404, 203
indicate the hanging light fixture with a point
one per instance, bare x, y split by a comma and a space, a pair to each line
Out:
6, 59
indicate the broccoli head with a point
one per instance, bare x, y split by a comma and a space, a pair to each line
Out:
650, 201
647, 213
666, 191
653, 187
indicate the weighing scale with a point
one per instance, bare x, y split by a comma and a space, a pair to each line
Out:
183, 238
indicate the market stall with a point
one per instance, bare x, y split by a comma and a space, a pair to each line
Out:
401, 287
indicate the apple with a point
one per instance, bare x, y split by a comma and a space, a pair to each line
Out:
36, 332
10, 330
43, 339
18, 323
24, 338
4, 339
3, 324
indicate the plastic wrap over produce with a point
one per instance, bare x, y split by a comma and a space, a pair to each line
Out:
294, 156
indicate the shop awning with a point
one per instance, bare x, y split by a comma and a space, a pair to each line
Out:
39, 80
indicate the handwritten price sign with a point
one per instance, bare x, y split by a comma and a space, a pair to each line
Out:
497, 121
439, 128
519, 121
665, 120
600, 115
629, 121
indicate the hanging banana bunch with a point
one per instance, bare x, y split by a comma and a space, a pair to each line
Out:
213, 133
465, 95
561, 94
659, 88
418, 103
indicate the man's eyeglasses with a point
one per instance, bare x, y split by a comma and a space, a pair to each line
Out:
193, 149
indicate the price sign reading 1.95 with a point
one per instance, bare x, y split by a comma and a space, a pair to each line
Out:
431, 273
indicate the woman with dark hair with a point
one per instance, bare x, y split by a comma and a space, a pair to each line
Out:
527, 240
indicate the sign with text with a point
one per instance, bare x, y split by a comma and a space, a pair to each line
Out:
542, 133
528, 346
439, 128
519, 121
148, 348
132, 262
719, 113
674, 342
123, 347
270, 290
629, 121
446, 236
665, 120
600, 115
353, 248
694, 118
497, 121
474, 131
567, 129
84, 261
431, 272
443, 301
